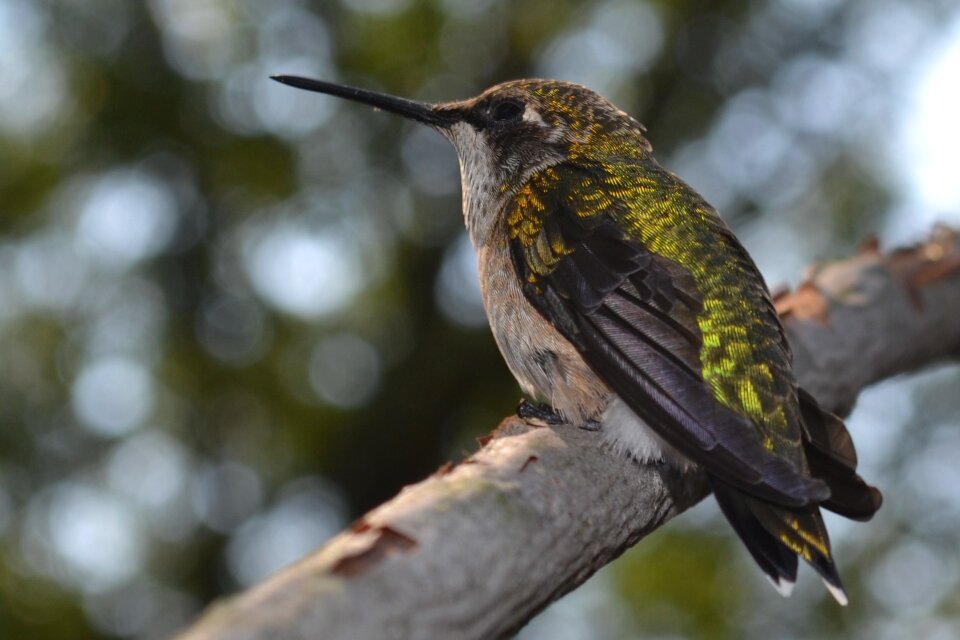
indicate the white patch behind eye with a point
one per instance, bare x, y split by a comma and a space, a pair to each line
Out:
554, 134
531, 115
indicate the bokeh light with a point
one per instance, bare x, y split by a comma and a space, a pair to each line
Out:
302, 272
112, 396
95, 537
126, 217
307, 513
345, 370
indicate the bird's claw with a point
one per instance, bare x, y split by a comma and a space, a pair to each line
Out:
540, 415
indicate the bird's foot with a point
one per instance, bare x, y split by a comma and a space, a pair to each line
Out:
540, 415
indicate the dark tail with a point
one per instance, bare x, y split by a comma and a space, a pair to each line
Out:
832, 458
776, 536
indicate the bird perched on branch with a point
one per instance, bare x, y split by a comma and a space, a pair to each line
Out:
619, 299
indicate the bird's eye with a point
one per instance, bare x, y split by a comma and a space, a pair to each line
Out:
506, 110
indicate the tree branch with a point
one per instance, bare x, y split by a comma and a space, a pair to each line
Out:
478, 549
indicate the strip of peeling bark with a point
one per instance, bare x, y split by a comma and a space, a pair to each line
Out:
476, 550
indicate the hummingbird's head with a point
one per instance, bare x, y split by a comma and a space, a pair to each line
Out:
509, 132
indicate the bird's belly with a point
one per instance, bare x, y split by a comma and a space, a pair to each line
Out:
628, 433
544, 363
549, 368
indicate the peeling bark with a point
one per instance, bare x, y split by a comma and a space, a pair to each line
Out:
477, 549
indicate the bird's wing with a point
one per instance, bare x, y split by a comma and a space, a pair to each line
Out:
640, 319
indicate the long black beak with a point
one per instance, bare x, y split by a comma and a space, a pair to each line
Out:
424, 112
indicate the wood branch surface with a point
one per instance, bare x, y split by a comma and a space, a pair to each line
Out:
477, 549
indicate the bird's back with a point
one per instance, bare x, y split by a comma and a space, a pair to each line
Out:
743, 355
652, 288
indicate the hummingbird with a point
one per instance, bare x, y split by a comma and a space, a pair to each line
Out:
621, 301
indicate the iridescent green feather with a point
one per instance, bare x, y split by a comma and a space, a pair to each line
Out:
743, 357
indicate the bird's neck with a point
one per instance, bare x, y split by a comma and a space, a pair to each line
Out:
486, 196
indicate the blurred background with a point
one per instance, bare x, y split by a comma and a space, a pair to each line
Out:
234, 316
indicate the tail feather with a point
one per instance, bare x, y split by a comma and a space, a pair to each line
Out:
803, 533
778, 562
833, 459
776, 537
826, 432
850, 496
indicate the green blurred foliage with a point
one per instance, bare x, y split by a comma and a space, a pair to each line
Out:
706, 607
233, 316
